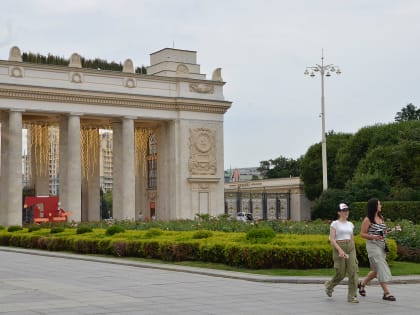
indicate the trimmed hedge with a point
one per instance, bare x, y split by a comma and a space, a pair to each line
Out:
392, 210
284, 251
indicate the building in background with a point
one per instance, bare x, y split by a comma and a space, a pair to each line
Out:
105, 158
268, 199
242, 174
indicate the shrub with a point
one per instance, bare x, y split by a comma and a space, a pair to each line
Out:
260, 235
57, 229
14, 228
114, 230
33, 228
1, 227
83, 229
153, 232
202, 234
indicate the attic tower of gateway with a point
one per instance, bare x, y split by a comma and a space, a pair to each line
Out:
167, 130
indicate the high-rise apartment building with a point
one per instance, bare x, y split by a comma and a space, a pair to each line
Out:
105, 158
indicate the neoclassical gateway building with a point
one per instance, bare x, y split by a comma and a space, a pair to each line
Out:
167, 131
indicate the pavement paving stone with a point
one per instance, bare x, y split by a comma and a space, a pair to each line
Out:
42, 282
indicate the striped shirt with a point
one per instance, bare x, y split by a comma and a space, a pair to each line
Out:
377, 229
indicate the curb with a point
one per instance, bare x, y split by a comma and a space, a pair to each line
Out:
412, 279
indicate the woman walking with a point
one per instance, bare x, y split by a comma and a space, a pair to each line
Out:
344, 254
374, 230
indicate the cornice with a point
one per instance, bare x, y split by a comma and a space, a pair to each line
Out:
32, 93
105, 73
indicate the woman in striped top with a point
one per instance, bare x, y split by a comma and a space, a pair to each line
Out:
374, 231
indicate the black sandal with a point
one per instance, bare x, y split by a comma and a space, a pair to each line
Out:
389, 297
361, 288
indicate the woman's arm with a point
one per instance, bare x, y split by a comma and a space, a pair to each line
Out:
334, 244
364, 231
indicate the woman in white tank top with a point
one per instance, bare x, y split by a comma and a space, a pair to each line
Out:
344, 254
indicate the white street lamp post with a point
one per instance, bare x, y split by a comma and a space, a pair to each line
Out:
324, 70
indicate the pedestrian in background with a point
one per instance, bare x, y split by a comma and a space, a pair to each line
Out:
374, 231
344, 254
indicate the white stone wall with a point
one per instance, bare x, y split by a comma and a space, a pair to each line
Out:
175, 100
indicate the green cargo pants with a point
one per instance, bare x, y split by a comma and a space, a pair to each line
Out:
345, 267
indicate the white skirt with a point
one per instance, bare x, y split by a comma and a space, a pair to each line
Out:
377, 260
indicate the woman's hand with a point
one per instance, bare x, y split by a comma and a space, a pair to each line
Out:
342, 254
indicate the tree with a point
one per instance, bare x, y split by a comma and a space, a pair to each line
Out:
311, 165
280, 167
409, 112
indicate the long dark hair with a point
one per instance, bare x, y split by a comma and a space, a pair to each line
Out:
372, 207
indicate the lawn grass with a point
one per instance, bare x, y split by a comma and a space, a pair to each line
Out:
398, 268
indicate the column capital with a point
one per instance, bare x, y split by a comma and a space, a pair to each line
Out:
75, 114
129, 117
21, 110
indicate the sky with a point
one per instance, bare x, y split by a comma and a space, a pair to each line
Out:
263, 48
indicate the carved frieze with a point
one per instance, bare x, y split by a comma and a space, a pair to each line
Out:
201, 88
16, 72
202, 159
129, 82
76, 77
182, 69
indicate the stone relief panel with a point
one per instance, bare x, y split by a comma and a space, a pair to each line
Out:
129, 82
201, 88
76, 77
16, 72
182, 70
202, 159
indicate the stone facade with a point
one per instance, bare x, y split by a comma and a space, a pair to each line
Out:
174, 100
278, 198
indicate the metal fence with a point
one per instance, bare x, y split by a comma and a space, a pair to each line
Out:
263, 206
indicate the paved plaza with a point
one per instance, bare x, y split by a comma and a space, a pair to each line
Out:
37, 282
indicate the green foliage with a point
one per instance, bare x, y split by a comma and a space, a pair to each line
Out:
202, 234
381, 160
392, 210
57, 229
311, 170
96, 63
41, 59
106, 211
409, 112
83, 229
153, 232
325, 207
311, 165
363, 187
14, 228
260, 235
1, 227
33, 228
114, 230
294, 249
280, 167
203, 216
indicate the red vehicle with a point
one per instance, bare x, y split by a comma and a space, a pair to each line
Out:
40, 209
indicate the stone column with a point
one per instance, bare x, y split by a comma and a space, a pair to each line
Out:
128, 168
74, 175
124, 170
117, 157
62, 166
70, 166
168, 203
14, 169
4, 120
